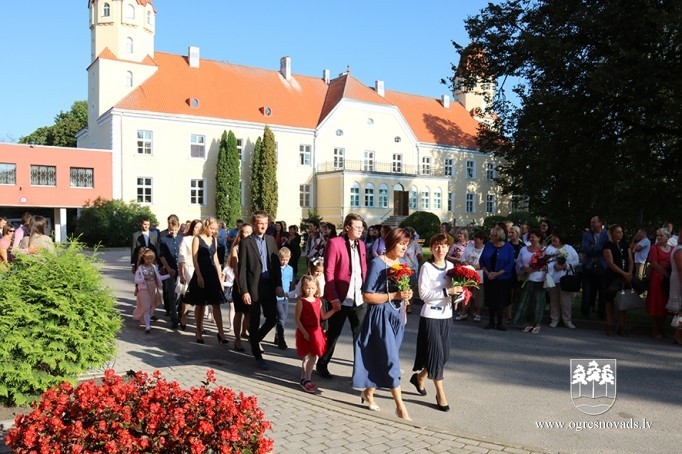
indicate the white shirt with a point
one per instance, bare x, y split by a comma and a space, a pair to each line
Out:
432, 281
354, 295
572, 259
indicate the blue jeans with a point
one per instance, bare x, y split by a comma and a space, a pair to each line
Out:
282, 310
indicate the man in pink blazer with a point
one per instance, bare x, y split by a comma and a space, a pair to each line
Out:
345, 267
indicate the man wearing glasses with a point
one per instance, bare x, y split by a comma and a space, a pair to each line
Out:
345, 267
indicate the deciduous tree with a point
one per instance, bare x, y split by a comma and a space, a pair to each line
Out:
63, 132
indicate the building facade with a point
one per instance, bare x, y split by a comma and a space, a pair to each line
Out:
342, 146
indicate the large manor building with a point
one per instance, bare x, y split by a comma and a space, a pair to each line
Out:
342, 146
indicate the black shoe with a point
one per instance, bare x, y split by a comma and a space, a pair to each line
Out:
323, 372
415, 381
281, 344
174, 325
442, 407
221, 340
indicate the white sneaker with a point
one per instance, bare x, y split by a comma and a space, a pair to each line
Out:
569, 325
477, 318
462, 317
553, 324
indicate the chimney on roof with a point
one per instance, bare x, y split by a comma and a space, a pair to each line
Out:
285, 67
445, 100
379, 87
193, 56
325, 76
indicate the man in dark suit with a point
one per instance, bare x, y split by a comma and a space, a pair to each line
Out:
260, 280
143, 238
345, 268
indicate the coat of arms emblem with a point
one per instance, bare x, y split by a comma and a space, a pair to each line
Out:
593, 385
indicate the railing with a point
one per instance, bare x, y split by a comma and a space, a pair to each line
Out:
362, 166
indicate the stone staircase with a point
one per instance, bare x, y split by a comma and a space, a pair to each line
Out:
393, 221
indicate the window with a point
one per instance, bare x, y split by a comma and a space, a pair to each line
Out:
240, 148
470, 203
82, 177
130, 12
413, 198
198, 146
129, 79
304, 196
471, 169
426, 165
490, 204
397, 139
437, 200
339, 132
369, 195
144, 190
490, 171
106, 10
196, 192
129, 45
43, 176
397, 166
448, 167
355, 195
144, 142
425, 198
383, 196
304, 154
451, 201
339, 154
8, 173
368, 161
370, 121
149, 18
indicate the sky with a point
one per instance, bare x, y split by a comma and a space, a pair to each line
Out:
45, 46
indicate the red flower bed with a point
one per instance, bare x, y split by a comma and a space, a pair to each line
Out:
141, 414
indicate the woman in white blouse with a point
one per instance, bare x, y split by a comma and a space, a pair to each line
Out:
566, 259
433, 338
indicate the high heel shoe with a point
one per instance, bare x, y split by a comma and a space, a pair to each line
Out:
199, 341
222, 340
363, 399
414, 379
406, 418
442, 407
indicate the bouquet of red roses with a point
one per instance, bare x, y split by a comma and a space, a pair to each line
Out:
539, 260
464, 276
400, 275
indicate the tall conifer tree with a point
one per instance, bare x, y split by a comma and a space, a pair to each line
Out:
256, 196
268, 173
222, 204
234, 191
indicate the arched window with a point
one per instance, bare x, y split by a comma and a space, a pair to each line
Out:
130, 12
355, 195
413, 198
149, 18
129, 79
106, 10
129, 45
383, 196
369, 195
425, 198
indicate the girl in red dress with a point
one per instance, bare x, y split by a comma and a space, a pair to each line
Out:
310, 339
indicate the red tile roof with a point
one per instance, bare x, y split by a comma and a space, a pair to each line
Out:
230, 91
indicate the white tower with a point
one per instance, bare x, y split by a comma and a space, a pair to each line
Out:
121, 52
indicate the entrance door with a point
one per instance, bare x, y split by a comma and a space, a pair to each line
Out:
401, 203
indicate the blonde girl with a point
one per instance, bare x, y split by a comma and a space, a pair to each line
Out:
147, 282
310, 340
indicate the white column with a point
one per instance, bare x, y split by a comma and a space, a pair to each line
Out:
60, 225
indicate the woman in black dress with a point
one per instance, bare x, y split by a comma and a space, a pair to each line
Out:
619, 267
206, 287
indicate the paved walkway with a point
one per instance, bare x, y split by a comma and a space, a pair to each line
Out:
333, 421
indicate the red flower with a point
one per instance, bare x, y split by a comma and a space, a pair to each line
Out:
464, 276
400, 275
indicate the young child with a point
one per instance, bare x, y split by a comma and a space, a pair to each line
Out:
228, 283
147, 281
316, 270
310, 340
283, 301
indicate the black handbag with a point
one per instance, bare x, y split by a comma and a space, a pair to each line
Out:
629, 299
570, 282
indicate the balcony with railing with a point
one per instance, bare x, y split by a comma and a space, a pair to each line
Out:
395, 168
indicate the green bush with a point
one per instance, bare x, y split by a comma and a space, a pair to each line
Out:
57, 320
426, 224
110, 222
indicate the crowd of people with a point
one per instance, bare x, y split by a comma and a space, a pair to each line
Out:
28, 238
253, 269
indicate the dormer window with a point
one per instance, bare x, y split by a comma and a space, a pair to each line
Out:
129, 79
130, 12
129, 45
106, 10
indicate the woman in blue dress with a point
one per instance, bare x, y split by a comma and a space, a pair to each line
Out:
377, 361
